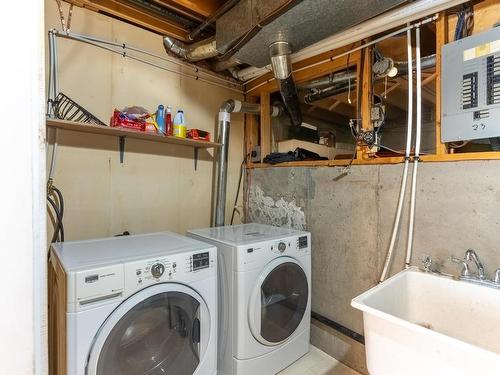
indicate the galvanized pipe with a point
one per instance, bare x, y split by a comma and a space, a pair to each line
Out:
228, 107
122, 50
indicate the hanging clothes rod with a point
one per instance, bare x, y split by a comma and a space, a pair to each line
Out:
199, 74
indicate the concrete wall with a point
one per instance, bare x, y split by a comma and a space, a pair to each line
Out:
156, 188
351, 218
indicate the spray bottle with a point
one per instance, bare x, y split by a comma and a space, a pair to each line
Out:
169, 130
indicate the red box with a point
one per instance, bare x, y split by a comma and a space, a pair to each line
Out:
198, 135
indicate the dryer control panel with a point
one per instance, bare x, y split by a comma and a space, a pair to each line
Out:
261, 252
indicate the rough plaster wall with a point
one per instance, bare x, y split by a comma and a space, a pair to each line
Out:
156, 188
350, 219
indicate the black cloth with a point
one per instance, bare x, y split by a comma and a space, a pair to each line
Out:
300, 154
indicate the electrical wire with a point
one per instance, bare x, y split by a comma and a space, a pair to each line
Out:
55, 198
242, 168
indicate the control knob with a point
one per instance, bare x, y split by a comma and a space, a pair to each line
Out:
282, 247
157, 270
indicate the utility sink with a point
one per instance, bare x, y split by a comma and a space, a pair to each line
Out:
426, 324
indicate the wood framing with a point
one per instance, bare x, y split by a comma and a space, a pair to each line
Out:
251, 132
57, 300
265, 125
441, 37
366, 96
486, 13
135, 15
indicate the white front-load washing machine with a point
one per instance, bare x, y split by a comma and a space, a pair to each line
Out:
264, 296
133, 305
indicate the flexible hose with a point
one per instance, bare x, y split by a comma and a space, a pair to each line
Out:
402, 192
413, 197
59, 228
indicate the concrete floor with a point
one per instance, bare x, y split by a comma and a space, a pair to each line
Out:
317, 362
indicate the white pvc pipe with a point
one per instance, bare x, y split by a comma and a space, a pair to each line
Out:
387, 21
402, 192
413, 197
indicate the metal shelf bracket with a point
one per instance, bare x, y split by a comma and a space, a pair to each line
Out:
121, 141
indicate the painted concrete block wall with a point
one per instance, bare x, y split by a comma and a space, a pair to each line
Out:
350, 218
156, 188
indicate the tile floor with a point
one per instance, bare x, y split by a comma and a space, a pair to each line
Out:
317, 362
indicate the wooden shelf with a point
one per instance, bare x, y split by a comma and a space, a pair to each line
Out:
119, 132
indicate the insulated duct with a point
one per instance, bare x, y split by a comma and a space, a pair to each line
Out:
282, 69
202, 50
228, 107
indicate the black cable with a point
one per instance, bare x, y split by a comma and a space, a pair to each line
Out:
239, 186
58, 206
61, 200
59, 230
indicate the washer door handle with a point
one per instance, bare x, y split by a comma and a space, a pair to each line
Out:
195, 334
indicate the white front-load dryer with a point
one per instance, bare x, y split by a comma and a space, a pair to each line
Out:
133, 305
264, 296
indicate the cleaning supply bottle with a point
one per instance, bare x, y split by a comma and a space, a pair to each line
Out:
160, 119
179, 124
169, 128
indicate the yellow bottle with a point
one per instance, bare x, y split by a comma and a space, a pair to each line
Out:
179, 124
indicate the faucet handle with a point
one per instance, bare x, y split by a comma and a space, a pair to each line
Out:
465, 270
497, 276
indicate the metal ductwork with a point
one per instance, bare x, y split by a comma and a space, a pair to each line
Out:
282, 68
219, 66
340, 82
300, 23
202, 50
228, 107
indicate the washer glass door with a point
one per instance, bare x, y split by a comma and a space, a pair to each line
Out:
160, 334
284, 294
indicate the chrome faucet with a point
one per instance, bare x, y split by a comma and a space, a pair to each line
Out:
465, 273
480, 278
472, 255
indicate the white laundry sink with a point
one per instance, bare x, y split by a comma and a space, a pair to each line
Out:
422, 323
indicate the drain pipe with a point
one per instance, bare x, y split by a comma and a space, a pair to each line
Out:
282, 69
228, 107
402, 192
416, 159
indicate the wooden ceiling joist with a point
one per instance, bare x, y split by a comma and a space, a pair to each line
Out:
134, 14
204, 8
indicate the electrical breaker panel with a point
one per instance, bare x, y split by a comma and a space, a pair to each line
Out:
470, 79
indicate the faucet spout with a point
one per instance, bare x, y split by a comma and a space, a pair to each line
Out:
471, 255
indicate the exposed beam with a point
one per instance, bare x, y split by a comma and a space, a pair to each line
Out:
135, 15
204, 8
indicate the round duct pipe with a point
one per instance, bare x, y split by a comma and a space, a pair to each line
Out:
228, 107
282, 68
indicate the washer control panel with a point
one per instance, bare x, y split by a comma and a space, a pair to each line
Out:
200, 261
177, 267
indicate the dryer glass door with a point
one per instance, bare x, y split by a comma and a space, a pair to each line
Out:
284, 294
158, 335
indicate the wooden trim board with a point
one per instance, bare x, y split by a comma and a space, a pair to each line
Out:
57, 304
